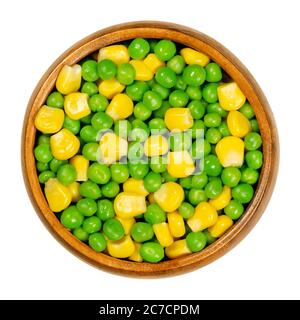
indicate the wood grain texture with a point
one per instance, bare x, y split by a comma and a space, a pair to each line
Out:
233, 67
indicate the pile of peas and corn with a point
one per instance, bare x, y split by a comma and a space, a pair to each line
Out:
174, 195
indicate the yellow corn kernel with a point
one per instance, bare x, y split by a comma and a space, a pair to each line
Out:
238, 124
192, 56
180, 164
112, 148
109, 88
123, 248
222, 200
176, 224
153, 63
163, 234
230, 151
69, 79
156, 145
76, 105
49, 120
177, 249
74, 189
230, 96
120, 107
118, 53
136, 256
64, 144
142, 72
169, 196
135, 186
128, 205
179, 119
81, 165
205, 216
151, 198
58, 196
127, 224
222, 224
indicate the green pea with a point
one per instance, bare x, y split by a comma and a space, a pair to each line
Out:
88, 134
98, 173
43, 139
162, 91
66, 174
90, 189
158, 164
194, 75
196, 241
234, 210
157, 126
113, 229
90, 88
186, 183
142, 231
178, 98
212, 120
231, 176
223, 128
135, 152
119, 172
197, 109
254, 125
152, 252
186, 210
198, 129
254, 159
213, 135
249, 175
72, 125
137, 123
180, 141
154, 214
80, 234
151, 83
71, 218
177, 64
42, 166
216, 108
194, 93
138, 134
213, 188
200, 180
160, 112
91, 224
105, 209
45, 176
243, 192
152, 43
110, 189
87, 119
97, 242
138, 48
210, 93
209, 238
87, 207
122, 128
55, 164
247, 110
89, 70
102, 121
98, 102
138, 170
212, 166
180, 83
167, 177
252, 141
213, 72
166, 77
165, 50
55, 99
152, 181
152, 100
90, 151
137, 90
107, 69
43, 153
125, 73
141, 111
196, 196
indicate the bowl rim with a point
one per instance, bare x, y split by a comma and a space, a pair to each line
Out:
233, 67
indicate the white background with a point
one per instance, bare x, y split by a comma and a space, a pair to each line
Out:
262, 34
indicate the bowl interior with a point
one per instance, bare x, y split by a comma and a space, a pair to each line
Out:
233, 67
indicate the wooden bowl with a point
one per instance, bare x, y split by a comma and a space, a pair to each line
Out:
233, 67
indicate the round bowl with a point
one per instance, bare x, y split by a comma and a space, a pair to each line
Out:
233, 67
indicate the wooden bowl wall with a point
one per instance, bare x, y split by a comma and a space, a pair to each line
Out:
233, 67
